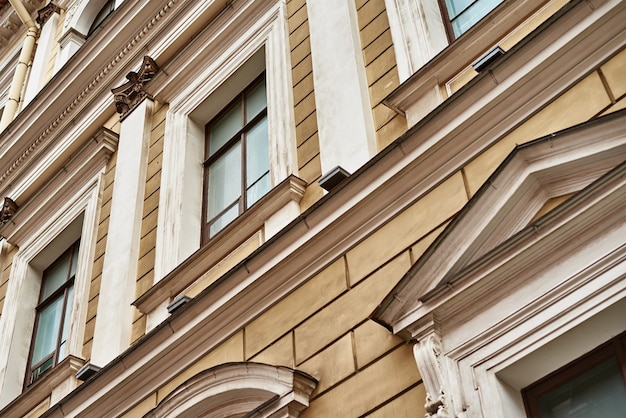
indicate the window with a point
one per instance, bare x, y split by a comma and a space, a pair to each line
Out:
49, 344
463, 14
106, 10
593, 385
236, 166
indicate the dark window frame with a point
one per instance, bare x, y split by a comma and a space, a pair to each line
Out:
614, 348
238, 137
61, 292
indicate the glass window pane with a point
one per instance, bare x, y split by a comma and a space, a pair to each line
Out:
256, 101
599, 392
258, 189
225, 128
224, 181
223, 220
257, 158
47, 330
457, 6
55, 275
472, 15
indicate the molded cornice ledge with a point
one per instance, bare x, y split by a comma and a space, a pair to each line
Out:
43, 387
497, 228
82, 99
39, 195
404, 171
200, 262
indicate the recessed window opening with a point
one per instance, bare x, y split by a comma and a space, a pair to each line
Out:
106, 10
592, 385
236, 166
49, 344
463, 14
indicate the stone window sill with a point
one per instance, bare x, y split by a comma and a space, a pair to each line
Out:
238, 231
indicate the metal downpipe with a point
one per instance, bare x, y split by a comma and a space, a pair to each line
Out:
10, 109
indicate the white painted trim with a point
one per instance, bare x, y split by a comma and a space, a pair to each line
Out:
344, 114
407, 170
560, 164
239, 388
417, 31
18, 314
119, 272
45, 47
180, 202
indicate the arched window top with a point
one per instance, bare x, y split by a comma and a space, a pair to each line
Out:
104, 12
239, 388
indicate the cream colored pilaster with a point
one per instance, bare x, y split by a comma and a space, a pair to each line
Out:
48, 22
119, 273
346, 129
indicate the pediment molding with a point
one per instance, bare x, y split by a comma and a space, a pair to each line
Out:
41, 191
238, 388
499, 216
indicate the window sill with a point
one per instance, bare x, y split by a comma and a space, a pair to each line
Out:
227, 240
451, 68
61, 377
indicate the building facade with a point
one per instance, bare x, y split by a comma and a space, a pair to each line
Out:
314, 208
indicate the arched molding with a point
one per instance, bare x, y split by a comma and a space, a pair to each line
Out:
239, 388
78, 19
82, 15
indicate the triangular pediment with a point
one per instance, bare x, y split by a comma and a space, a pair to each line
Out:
536, 177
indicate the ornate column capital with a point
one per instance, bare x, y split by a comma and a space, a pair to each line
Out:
46, 12
9, 207
130, 94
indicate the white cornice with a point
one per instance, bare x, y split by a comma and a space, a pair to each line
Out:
396, 177
559, 164
53, 192
74, 88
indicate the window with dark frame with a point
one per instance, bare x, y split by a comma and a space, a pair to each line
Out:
463, 14
236, 163
593, 385
49, 343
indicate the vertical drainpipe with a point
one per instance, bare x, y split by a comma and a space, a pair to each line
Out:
10, 109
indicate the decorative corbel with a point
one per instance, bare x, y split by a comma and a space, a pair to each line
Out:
130, 94
427, 354
9, 207
46, 12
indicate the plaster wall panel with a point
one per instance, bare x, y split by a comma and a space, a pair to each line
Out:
404, 406
230, 350
331, 365
407, 228
371, 341
280, 353
614, 71
393, 373
296, 307
578, 104
311, 171
349, 310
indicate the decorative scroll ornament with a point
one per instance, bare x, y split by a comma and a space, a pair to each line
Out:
9, 207
130, 94
46, 12
427, 354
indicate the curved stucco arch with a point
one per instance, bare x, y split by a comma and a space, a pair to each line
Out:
239, 388
83, 15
